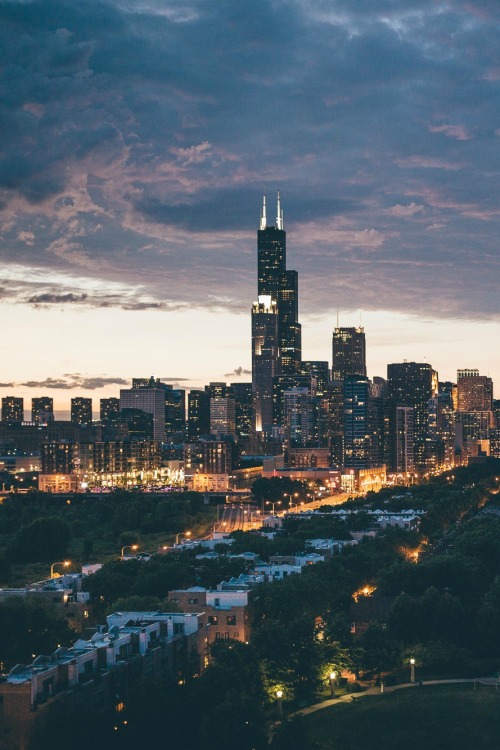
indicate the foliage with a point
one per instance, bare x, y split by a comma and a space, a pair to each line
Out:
44, 540
30, 626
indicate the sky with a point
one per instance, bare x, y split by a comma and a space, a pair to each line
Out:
137, 138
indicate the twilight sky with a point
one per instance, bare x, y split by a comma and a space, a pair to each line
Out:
137, 139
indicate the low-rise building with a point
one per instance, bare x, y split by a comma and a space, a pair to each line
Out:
228, 612
96, 675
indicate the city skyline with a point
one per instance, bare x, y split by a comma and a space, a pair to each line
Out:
131, 187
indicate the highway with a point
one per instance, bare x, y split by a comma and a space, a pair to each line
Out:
247, 517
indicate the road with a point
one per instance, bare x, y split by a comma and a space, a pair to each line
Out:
247, 517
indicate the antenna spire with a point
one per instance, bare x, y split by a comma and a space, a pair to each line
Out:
263, 220
279, 214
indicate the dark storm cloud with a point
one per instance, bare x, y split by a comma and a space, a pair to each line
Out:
138, 138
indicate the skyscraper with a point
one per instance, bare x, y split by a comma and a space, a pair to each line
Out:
415, 384
275, 281
348, 353
265, 360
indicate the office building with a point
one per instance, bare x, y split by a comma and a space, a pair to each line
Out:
12, 409
198, 421
361, 449
348, 353
242, 393
81, 410
222, 417
265, 361
175, 413
280, 285
319, 372
415, 384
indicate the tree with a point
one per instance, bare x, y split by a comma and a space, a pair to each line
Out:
44, 540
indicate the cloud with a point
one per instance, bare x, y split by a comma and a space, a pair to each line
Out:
72, 381
56, 299
238, 372
146, 170
400, 210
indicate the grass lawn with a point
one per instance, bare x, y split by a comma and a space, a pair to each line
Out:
427, 718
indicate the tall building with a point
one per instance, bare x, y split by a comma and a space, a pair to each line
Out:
475, 391
361, 449
320, 375
81, 410
281, 285
198, 422
42, 410
148, 395
265, 361
175, 412
415, 384
348, 353
12, 409
109, 409
403, 460
242, 393
222, 417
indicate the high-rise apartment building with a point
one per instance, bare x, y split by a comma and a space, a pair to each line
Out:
348, 353
109, 409
42, 410
12, 409
81, 410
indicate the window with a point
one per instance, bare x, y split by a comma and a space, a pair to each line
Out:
231, 620
213, 620
192, 601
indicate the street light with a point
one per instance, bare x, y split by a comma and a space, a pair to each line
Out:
289, 495
333, 677
412, 670
133, 547
66, 563
181, 533
279, 696
276, 502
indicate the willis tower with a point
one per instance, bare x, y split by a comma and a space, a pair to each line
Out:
276, 332
282, 286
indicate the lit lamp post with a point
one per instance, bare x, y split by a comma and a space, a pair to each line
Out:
181, 533
333, 684
290, 495
276, 502
279, 696
412, 670
133, 547
65, 564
